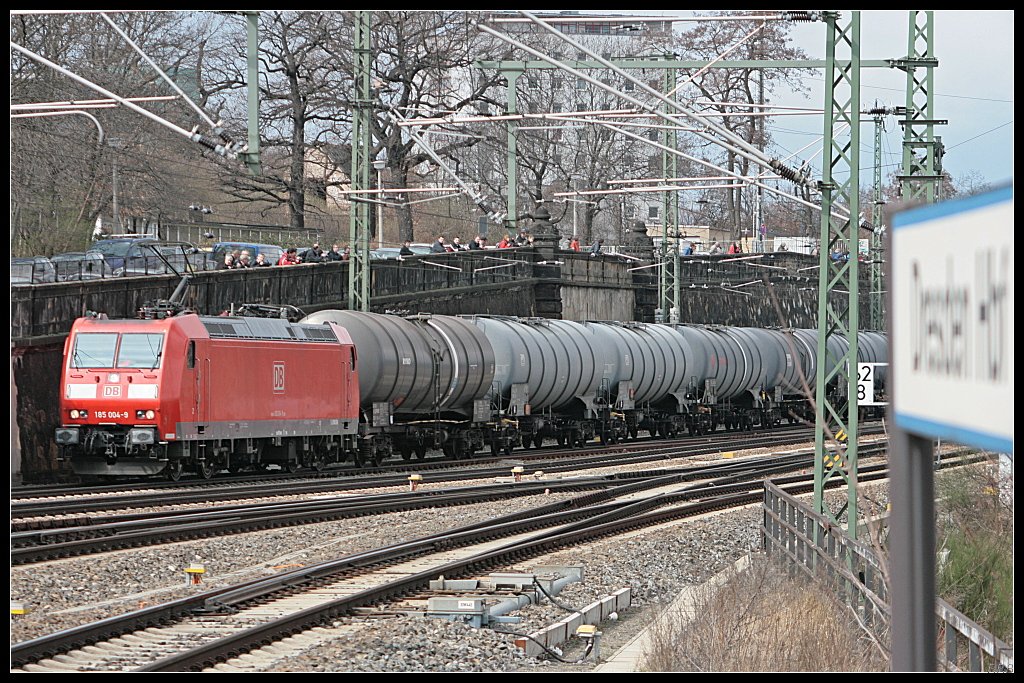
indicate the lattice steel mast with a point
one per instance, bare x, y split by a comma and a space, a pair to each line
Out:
836, 410
359, 211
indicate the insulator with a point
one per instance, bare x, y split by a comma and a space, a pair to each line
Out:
801, 16
786, 172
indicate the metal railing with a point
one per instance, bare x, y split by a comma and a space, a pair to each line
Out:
792, 531
239, 232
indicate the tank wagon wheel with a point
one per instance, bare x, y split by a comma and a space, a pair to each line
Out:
538, 441
421, 451
293, 466
204, 469
405, 450
633, 431
560, 440
174, 470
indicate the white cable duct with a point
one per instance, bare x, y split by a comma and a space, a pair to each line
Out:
64, 112
87, 104
191, 135
477, 198
744, 148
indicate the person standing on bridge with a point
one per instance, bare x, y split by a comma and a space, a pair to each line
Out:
438, 246
261, 261
596, 249
333, 255
314, 254
289, 257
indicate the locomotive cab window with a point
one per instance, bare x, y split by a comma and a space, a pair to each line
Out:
102, 350
190, 357
94, 350
140, 351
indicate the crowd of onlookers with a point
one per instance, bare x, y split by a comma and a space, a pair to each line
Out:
243, 258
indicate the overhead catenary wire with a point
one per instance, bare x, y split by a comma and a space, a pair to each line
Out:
216, 127
739, 144
190, 135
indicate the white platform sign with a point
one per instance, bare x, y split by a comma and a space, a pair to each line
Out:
952, 320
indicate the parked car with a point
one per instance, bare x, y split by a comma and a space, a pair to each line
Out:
164, 258
32, 271
116, 249
76, 265
385, 254
271, 252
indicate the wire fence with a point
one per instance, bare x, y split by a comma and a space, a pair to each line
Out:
795, 534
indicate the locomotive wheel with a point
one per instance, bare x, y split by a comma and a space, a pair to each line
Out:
174, 470
204, 469
319, 463
292, 467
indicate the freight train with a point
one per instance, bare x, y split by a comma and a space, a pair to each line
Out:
203, 394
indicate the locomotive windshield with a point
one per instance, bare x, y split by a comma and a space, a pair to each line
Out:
140, 351
101, 350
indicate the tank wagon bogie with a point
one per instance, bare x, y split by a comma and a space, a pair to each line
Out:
233, 393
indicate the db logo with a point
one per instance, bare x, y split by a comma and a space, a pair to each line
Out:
111, 390
278, 378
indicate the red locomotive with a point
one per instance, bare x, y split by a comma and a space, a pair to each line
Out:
197, 393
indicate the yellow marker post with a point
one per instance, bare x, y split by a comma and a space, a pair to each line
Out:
194, 574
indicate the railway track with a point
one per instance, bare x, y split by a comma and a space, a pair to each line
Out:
142, 529
201, 630
78, 501
43, 491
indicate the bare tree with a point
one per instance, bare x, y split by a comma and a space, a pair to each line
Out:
62, 177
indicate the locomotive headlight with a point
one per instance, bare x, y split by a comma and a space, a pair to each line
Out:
144, 414
142, 436
75, 414
113, 378
150, 414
